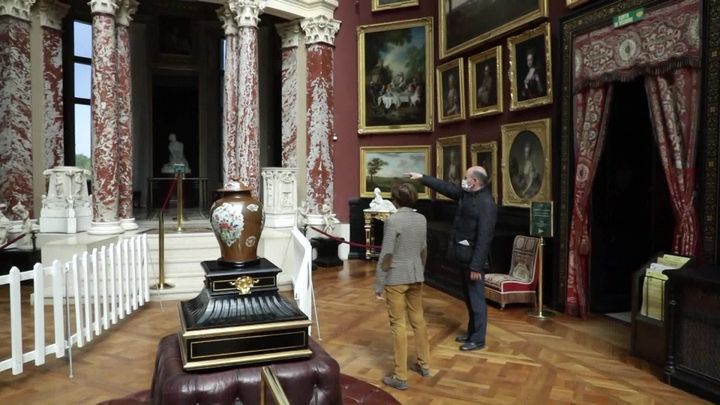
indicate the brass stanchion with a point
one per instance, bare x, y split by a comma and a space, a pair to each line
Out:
161, 284
538, 312
179, 179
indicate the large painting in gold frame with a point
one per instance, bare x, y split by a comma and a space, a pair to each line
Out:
380, 5
382, 166
526, 162
530, 68
451, 160
468, 24
451, 91
485, 154
395, 76
485, 92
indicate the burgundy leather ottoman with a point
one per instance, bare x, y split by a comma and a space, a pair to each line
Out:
315, 381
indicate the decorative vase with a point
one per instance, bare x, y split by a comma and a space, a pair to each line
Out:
237, 221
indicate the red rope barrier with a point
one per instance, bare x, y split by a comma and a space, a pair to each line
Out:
167, 195
342, 240
12, 241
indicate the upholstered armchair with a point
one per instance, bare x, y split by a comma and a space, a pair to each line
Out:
520, 284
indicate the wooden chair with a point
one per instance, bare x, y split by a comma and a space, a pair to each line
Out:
520, 284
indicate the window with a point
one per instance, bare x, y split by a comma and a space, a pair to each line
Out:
81, 93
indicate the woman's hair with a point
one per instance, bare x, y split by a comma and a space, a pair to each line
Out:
404, 194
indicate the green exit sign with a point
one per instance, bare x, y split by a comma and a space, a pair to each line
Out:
629, 17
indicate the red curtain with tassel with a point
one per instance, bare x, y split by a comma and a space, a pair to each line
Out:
673, 99
591, 115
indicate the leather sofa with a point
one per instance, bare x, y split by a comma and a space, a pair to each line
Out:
313, 381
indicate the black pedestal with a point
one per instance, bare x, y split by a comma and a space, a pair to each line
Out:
327, 252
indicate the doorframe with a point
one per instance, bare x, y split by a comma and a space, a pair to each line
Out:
587, 20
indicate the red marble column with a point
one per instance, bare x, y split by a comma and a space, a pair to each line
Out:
104, 119
290, 36
247, 149
15, 116
230, 95
51, 15
319, 36
124, 117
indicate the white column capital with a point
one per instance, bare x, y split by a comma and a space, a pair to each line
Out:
19, 9
289, 34
225, 14
125, 12
320, 29
247, 12
51, 13
103, 6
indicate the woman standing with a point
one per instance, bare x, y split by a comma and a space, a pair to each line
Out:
400, 277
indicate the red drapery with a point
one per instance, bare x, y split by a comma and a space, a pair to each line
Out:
673, 99
591, 113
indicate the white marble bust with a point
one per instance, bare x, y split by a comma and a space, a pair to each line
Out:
177, 156
380, 204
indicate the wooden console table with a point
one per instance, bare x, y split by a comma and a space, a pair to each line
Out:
369, 216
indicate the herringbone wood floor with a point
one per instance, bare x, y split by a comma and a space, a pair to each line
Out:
557, 361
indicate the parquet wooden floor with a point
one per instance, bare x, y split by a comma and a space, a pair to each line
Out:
558, 361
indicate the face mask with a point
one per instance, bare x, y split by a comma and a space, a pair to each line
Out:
465, 186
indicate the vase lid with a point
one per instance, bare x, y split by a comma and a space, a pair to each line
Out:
234, 185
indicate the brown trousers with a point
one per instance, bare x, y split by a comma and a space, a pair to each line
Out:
401, 300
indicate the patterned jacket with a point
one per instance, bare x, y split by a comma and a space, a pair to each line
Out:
405, 237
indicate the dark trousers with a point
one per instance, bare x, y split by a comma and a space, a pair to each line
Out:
477, 308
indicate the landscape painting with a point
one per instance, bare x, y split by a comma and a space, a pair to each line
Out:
382, 167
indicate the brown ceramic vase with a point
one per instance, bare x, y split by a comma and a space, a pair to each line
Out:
237, 220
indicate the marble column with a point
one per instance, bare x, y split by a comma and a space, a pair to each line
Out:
290, 37
247, 150
51, 15
104, 119
16, 170
124, 118
319, 38
230, 94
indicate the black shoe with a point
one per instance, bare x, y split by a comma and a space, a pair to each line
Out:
462, 338
471, 346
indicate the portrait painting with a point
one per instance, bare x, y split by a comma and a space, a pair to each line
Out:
175, 36
451, 91
451, 160
395, 87
380, 5
485, 83
526, 164
530, 68
382, 167
465, 24
485, 155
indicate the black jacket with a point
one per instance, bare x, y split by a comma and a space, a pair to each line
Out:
474, 221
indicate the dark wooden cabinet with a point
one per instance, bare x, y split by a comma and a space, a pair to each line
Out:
693, 327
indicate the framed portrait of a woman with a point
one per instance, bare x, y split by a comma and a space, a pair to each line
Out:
485, 93
451, 160
530, 68
451, 91
526, 163
485, 154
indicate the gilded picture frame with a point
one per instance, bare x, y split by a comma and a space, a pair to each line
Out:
469, 24
530, 68
574, 3
450, 78
382, 166
485, 79
451, 161
485, 154
526, 162
395, 77
381, 5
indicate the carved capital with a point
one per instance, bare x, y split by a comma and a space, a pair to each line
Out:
247, 12
51, 13
226, 16
320, 29
289, 34
103, 6
125, 12
16, 8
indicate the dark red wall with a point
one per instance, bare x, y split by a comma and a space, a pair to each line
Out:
347, 148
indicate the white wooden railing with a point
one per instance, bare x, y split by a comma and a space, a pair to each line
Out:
101, 287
